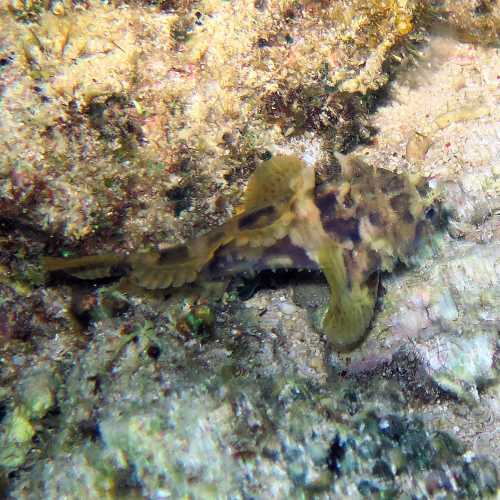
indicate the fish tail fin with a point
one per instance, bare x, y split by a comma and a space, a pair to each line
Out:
90, 267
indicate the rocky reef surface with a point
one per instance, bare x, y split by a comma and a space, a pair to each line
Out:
128, 124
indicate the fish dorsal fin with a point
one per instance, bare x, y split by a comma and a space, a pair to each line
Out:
276, 181
269, 204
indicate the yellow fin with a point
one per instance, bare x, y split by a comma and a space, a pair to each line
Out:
270, 200
91, 267
351, 306
180, 264
276, 181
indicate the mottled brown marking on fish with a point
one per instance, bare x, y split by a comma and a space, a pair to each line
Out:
173, 253
400, 202
375, 218
343, 229
391, 182
259, 218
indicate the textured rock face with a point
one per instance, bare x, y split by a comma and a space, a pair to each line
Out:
115, 119
118, 117
126, 124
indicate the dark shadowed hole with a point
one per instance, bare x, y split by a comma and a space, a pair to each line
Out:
247, 286
89, 429
154, 351
335, 455
181, 196
430, 213
3, 410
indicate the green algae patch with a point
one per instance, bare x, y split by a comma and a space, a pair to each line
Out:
198, 322
15, 440
37, 394
35, 398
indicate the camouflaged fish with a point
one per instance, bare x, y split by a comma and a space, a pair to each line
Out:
350, 228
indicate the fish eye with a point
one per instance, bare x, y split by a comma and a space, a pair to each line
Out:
430, 213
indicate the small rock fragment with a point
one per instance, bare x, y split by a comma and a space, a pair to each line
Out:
417, 146
287, 308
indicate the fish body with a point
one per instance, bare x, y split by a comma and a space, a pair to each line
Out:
351, 228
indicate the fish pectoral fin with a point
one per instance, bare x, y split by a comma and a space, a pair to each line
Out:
348, 318
351, 306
